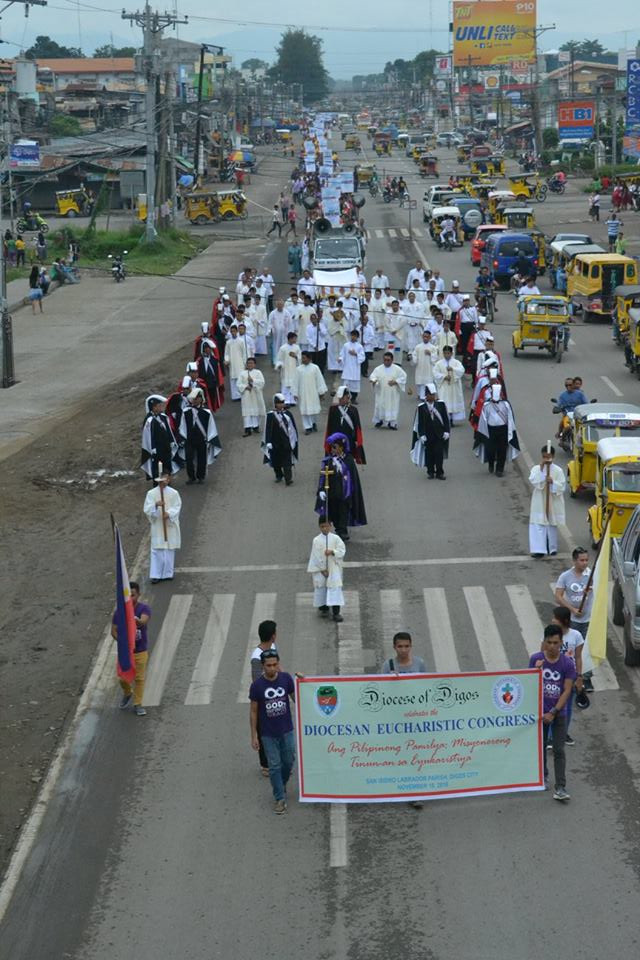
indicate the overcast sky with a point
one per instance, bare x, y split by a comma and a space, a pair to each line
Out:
347, 49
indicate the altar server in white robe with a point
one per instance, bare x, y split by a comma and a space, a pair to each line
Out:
325, 567
287, 362
310, 387
352, 356
258, 315
448, 374
547, 504
415, 320
235, 358
337, 327
279, 322
377, 310
162, 506
250, 388
389, 379
424, 356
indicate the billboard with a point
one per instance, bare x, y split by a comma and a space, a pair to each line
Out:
631, 147
24, 155
387, 738
442, 66
487, 33
576, 119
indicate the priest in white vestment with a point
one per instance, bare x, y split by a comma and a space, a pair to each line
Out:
547, 504
388, 381
287, 362
162, 506
250, 388
424, 356
310, 387
235, 358
448, 374
351, 358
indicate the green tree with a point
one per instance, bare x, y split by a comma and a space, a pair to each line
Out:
585, 49
550, 138
253, 64
300, 60
107, 50
62, 125
46, 49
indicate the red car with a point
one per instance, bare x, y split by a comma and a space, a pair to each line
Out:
482, 233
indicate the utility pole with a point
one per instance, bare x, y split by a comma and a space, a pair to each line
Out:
152, 24
534, 33
173, 147
6, 333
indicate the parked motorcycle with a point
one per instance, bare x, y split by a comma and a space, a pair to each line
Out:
118, 271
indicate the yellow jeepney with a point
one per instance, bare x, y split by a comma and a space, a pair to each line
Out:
592, 279
73, 203
593, 422
528, 188
627, 304
352, 142
542, 321
617, 485
202, 207
495, 198
232, 204
516, 217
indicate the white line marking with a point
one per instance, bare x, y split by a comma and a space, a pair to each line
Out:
424, 259
211, 650
350, 652
417, 232
527, 616
612, 386
380, 234
304, 658
392, 232
445, 658
405, 232
391, 607
360, 564
338, 835
165, 647
486, 630
264, 608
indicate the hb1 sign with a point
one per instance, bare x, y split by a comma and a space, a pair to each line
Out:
576, 120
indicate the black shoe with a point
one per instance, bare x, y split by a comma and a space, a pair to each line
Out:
499, 473
279, 479
255, 429
378, 424
440, 476
431, 476
307, 432
247, 433
200, 481
314, 428
491, 468
587, 685
570, 742
393, 427
537, 556
337, 618
288, 483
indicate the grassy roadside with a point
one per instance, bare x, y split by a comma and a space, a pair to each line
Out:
170, 251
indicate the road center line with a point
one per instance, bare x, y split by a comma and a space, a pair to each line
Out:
612, 386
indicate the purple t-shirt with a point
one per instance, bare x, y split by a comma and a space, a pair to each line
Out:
553, 678
141, 632
272, 697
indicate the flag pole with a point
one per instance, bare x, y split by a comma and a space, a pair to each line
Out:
595, 563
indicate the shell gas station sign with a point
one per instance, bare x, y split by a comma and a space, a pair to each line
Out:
488, 33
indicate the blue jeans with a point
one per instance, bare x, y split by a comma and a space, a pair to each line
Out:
281, 756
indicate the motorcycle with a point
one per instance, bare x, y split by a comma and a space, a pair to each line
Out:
32, 222
118, 271
565, 438
373, 188
447, 241
556, 186
487, 306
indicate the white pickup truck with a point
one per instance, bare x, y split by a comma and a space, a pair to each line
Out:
438, 195
625, 572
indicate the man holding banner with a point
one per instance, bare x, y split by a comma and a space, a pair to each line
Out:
558, 677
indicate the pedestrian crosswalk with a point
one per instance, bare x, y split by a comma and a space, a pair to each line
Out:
204, 643
380, 233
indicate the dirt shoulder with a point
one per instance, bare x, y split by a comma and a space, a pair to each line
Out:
56, 572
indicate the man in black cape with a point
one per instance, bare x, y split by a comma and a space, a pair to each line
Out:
431, 429
339, 493
344, 418
280, 442
159, 443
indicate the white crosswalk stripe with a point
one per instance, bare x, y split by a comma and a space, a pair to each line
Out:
437, 620
165, 648
211, 649
445, 658
392, 232
380, 234
486, 629
264, 608
404, 232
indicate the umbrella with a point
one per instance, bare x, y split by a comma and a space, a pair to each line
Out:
241, 156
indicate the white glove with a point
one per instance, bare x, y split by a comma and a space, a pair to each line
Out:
445, 436
269, 446
423, 441
322, 495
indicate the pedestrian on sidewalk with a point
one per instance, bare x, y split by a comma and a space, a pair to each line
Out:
267, 632
35, 290
613, 230
270, 712
275, 222
141, 615
594, 207
291, 220
558, 676
325, 567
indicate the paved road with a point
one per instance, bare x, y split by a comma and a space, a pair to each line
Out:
160, 839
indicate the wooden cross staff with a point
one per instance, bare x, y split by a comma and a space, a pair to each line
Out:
326, 472
164, 517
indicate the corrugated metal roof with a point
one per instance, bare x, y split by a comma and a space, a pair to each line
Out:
89, 64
